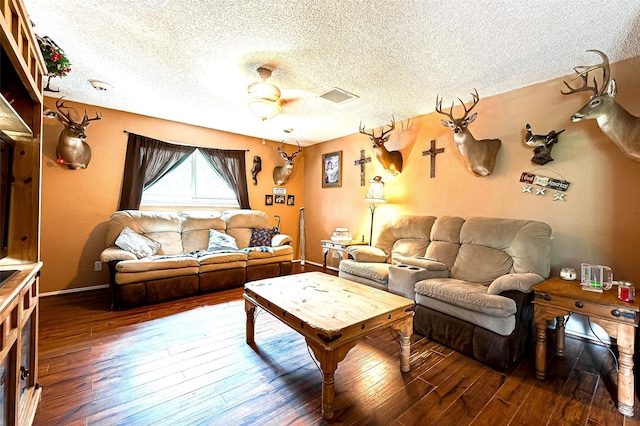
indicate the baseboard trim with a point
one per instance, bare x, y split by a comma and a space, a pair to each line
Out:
74, 290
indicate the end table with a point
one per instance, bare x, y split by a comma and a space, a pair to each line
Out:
555, 298
340, 248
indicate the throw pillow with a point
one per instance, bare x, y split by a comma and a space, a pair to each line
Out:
137, 244
221, 242
261, 237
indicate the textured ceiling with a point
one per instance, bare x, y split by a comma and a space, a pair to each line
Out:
191, 60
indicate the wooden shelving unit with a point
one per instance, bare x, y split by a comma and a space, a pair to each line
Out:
21, 99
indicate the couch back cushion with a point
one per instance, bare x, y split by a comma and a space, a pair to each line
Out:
195, 228
240, 222
445, 239
163, 227
492, 247
405, 236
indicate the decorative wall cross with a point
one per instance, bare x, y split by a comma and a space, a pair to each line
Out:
361, 162
433, 152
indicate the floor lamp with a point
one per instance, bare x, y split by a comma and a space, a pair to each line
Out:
375, 194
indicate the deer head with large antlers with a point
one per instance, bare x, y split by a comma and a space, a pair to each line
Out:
72, 150
479, 155
281, 174
390, 160
616, 122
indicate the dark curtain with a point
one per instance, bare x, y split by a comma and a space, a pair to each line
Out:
146, 162
231, 167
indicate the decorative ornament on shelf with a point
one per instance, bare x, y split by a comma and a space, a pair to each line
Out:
543, 183
57, 63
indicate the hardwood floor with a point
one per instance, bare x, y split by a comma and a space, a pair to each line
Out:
186, 363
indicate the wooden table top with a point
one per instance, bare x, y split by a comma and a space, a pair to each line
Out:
572, 289
326, 302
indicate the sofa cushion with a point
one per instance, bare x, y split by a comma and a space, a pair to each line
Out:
137, 244
367, 254
405, 226
261, 237
163, 227
156, 263
219, 242
408, 247
467, 295
378, 272
480, 264
445, 239
211, 258
195, 228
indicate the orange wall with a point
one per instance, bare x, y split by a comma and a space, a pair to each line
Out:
598, 223
76, 204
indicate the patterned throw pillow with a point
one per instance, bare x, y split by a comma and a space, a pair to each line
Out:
137, 244
220, 242
261, 237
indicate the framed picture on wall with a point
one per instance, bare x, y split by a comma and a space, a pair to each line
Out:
268, 200
279, 199
332, 170
291, 200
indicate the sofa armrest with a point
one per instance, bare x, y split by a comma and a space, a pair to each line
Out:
367, 254
426, 263
114, 253
519, 282
281, 240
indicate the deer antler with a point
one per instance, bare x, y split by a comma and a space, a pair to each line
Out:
476, 99
439, 108
373, 136
583, 71
298, 151
66, 116
86, 118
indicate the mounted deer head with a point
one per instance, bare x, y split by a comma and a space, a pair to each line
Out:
72, 150
281, 174
616, 122
479, 155
390, 160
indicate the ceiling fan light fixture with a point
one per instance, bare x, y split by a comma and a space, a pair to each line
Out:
264, 98
265, 109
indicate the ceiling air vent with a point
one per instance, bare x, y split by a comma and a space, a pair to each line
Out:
338, 96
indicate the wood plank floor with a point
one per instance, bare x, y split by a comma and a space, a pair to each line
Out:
186, 363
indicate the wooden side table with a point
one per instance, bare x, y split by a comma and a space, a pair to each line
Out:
341, 248
555, 298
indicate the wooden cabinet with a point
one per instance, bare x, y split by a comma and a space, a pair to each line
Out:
21, 97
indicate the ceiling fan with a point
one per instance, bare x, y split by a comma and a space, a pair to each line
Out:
265, 99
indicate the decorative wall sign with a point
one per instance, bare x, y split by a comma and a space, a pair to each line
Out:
361, 162
543, 183
433, 151
279, 191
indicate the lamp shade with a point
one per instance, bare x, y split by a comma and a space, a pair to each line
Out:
375, 194
264, 98
264, 108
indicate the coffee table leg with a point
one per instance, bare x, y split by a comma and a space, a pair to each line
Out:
405, 330
250, 309
560, 336
328, 360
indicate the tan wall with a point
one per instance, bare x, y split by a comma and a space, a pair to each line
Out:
598, 223
76, 204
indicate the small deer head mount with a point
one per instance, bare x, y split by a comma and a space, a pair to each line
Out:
390, 160
281, 174
542, 145
72, 150
614, 121
479, 155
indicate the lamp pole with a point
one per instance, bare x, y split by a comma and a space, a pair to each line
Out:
372, 207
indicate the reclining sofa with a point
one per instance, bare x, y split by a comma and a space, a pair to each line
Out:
471, 279
159, 256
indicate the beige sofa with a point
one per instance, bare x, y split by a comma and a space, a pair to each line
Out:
187, 262
471, 279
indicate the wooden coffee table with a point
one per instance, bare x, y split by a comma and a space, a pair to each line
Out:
332, 314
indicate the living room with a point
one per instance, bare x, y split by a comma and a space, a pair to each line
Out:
594, 221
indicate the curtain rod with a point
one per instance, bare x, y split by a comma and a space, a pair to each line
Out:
174, 143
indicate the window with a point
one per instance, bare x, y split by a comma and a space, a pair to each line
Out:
192, 183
